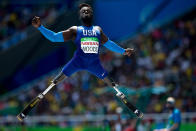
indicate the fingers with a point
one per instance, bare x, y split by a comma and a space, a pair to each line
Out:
35, 19
129, 51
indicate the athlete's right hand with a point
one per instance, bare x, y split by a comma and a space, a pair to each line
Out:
36, 22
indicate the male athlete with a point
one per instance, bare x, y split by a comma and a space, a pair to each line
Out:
88, 39
174, 120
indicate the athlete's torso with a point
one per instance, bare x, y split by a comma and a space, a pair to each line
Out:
87, 41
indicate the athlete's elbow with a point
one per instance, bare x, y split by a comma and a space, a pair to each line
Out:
53, 38
57, 38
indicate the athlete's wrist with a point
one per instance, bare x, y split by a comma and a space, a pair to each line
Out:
124, 53
114, 47
128, 51
39, 27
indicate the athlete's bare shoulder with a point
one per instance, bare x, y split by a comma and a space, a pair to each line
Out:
104, 38
99, 28
70, 33
73, 29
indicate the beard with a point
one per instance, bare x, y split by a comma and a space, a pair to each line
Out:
87, 20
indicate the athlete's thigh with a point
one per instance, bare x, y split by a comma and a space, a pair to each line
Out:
71, 67
97, 69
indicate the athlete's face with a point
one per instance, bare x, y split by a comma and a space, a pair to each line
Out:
86, 15
169, 105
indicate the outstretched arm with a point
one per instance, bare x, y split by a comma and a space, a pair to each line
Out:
52, 36
113, 46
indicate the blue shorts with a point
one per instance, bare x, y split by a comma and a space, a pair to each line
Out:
90, 64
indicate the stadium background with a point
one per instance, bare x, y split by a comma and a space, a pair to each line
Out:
163, 32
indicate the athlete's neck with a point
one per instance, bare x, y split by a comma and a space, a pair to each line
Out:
87, 25
172, 109
87, 21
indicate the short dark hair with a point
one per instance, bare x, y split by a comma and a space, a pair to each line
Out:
84, 5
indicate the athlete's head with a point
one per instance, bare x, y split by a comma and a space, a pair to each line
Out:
170, 103
86, 13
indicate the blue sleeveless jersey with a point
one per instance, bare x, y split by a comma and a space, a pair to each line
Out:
86, 56
87, 41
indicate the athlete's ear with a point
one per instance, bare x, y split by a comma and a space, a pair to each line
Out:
79, 15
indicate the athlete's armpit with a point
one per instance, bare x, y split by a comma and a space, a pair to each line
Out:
70, 34
104, 38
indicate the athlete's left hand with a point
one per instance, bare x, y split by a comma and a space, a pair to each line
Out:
129, 51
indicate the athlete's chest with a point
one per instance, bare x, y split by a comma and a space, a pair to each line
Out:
89, 32
86, 33
89, 41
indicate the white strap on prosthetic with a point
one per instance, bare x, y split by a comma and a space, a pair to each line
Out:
48, 89
119, 94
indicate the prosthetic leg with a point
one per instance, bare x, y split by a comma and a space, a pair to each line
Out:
123, 98
36, 100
